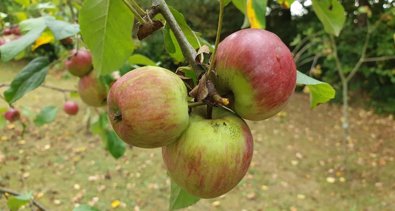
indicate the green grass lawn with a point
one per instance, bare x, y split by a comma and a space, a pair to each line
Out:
300, 162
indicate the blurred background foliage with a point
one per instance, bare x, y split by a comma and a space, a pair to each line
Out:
300, 29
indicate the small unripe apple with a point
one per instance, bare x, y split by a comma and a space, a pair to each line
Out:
12, 115
79, 62
70, 107
212, 155
92, 91
148, 107
257, 70
15, 30
7, 31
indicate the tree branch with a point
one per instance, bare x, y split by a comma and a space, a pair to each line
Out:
14, 193
361, 58
337, 60
187, 50
378, 59
47, 87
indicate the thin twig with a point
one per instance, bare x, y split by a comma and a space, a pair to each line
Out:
134, 11
378, 59
47, 87
137, 7
14, 193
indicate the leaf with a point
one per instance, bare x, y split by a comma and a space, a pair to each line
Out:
141, 60
320, 92
85, 207
16, 202
115, 145
189, 34
46, 115
256, 13
331, 15
31, 76
106, 27
34, 28
179, 198
286, 4
240, 5
62, 29
226, 2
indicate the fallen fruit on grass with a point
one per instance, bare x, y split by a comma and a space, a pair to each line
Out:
256, 69
212, 155
148, 107
70, 107
92, 91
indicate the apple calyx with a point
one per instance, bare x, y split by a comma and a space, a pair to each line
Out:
206, 91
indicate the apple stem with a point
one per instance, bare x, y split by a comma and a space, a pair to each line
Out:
218, 37
134, 11
137, 7
209, 112
195, 104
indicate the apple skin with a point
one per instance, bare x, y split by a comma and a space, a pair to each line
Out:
257, 69
7, 31
92, 91
70, 107
2, 42
148, 107
12, 115
79, 62
212, 155
15, 30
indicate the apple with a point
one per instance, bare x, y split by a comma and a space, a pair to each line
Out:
67, 42
79, 62
70, 107
2, 42
12, 115
257, 71
7, 31
212, 155
92, 91
15, 30
148, 107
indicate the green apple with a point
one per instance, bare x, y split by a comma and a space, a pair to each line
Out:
148, 107
92, 91
212, 155
255, 69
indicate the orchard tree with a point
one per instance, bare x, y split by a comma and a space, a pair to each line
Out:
196, 112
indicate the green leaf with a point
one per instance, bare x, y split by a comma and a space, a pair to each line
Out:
85, 207
320, 92
34, 28
31, 76
46, 115
141, 60
179, 198
106, 27
256, 13
240, 5
115, 145
16, 202
226, 2
62, 29
171, 43
331, 15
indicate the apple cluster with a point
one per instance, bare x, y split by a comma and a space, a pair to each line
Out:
207, 155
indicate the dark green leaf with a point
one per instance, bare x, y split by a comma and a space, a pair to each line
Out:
241, 5
189, 34
31, 76
331, 15
16, 202
115, 145
179, 198
34, 28
171, 45
320, 92
61, 29
226, 2
85, 207
106, 27
46, 115
100, 126
141, 60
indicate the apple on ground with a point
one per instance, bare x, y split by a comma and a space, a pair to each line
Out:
92, 91
212, 155
79, 62
70, 107
257, 71
148, 107
12, 115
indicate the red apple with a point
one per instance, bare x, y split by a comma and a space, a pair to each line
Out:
79, 63
67, 42
12, 115
92, 91
15, 30
2, 42
7, 31
148, 107
70, 107
256, 69
212, 155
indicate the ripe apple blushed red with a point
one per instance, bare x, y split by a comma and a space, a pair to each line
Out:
70, 107
12, 115
79, 63
257, 70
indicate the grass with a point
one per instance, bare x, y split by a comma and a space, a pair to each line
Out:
299, 163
